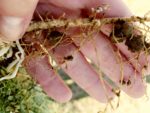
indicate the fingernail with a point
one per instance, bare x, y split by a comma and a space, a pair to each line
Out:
11, 27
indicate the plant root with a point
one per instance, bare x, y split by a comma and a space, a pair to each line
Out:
16, 64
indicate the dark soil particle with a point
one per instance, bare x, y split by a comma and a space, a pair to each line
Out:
122, 30
7, 61
135, 43
147, 46
122, 82
54, 34
54, 37
128, 82
69, 58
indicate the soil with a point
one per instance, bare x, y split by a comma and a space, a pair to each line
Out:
135, 43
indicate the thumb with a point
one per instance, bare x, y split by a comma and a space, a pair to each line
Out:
15, 16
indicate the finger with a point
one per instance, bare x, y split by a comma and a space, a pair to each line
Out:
123, 11
82, 73
15, 15
117, 7
101, 52
107, 29
55, 11
42, 72
140, 60
74, 5
77, 7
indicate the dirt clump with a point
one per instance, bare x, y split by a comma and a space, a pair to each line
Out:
135, 43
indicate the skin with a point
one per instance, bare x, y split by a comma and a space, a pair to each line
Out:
14, 19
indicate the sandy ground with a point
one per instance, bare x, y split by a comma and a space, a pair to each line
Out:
138, 7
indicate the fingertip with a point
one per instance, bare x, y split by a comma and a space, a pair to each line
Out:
14, 18
12, 28
100, 91
137, 88
52, 84
64, 97
57, 90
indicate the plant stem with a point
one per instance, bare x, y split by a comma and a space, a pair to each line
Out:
85, 22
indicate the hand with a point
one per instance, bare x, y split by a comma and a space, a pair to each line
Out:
78, 68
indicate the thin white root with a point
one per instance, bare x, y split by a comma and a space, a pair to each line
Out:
10, 53
12, 64
4, 50
16, 62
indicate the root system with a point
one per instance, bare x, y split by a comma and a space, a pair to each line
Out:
42, 36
